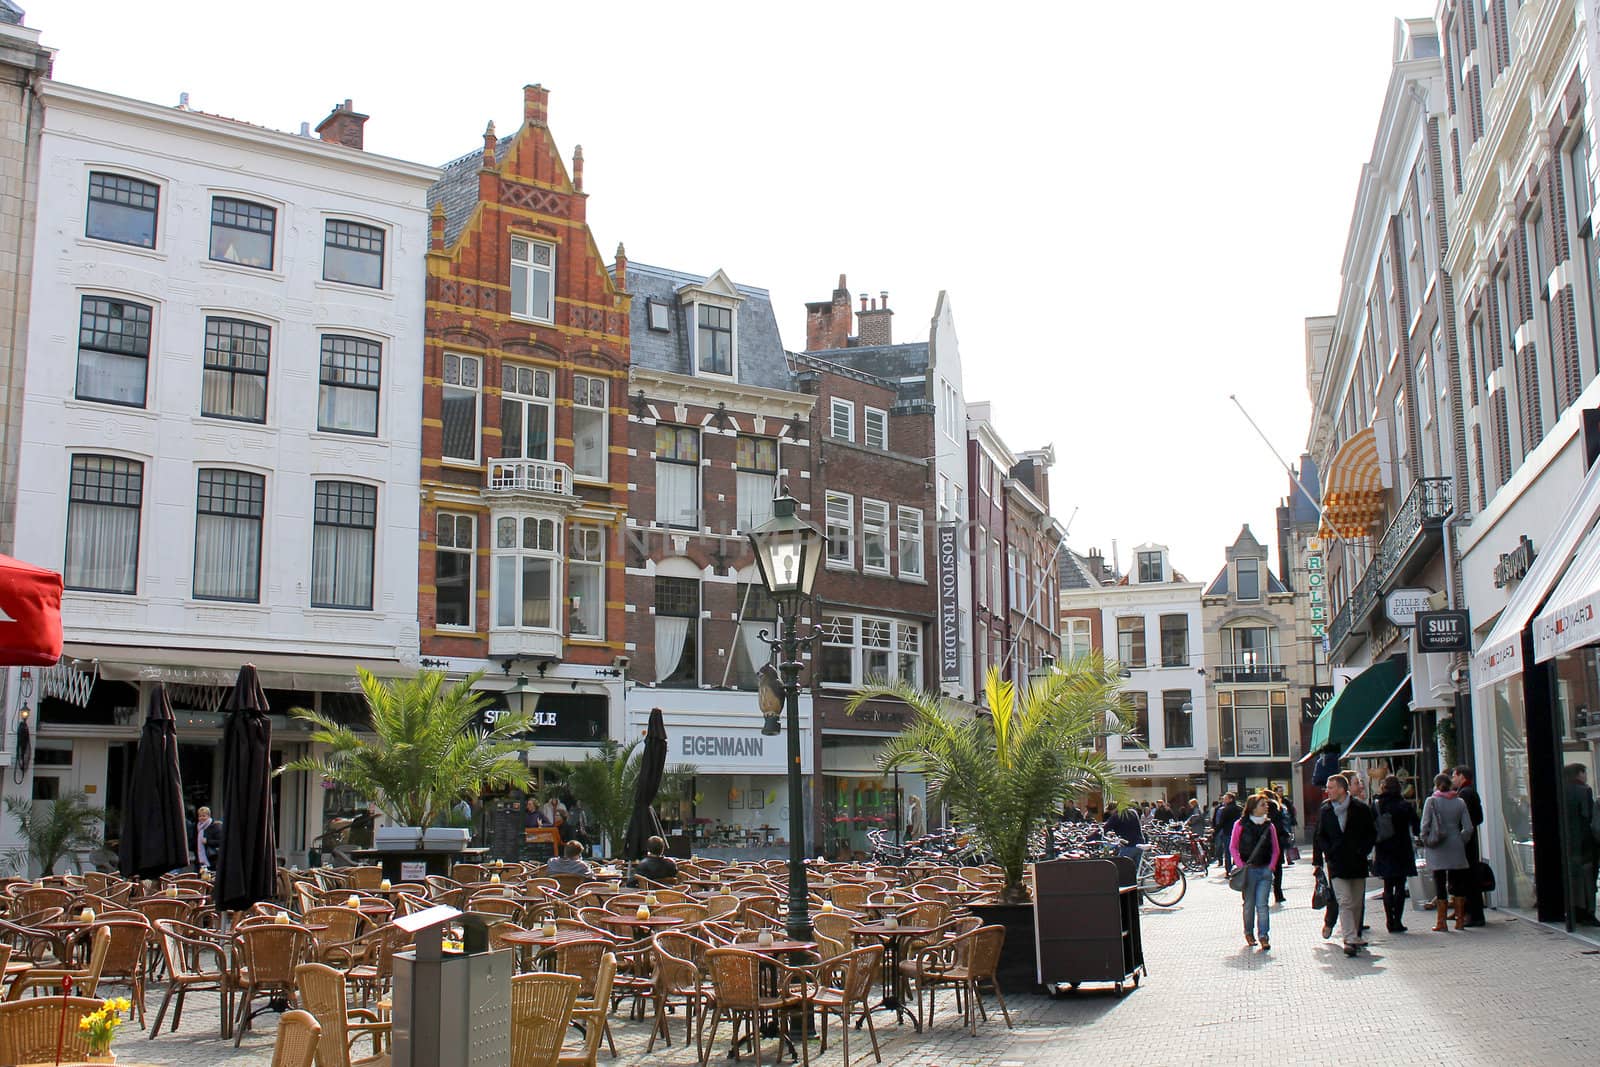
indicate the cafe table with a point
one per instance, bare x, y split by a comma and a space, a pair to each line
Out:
636, 924
537, 940
893, 938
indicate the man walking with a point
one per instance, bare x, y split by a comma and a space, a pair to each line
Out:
1346, 832
1222, 831
1467, 790
205, 839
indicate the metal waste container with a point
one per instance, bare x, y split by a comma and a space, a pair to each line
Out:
451, 1009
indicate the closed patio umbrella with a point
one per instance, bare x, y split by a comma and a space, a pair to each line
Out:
652, 765
153, 838
248, 866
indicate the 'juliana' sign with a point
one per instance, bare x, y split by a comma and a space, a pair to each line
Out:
949, 604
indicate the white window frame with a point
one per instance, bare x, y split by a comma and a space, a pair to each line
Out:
837, 407
679, 521
909, 537
583, 396
900, 641
868, 416
518, 551
531, 273
455, 548
1077, 631
462, 362
875, 531
581, 536
844, 545
524, 401
753, 486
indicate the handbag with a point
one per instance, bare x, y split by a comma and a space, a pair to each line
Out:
1322, 892
1240, 878
1486, 881
1432, 835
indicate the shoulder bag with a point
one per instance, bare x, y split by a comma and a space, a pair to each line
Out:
1432, 835
1240, 878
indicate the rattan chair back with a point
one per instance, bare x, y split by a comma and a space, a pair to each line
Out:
541, 1009
30, 1029
296, 1043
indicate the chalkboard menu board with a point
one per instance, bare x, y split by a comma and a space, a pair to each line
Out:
505, 830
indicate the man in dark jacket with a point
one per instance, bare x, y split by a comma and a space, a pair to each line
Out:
1346, 832
1125, 824
1467, 790
1222, 831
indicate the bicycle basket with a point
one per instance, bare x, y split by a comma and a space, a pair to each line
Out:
1166, 870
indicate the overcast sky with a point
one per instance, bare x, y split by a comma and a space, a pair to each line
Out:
1133, 207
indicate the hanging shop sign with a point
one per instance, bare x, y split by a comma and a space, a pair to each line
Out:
1513, 565
1311, 706
949, 603
1444, 631
1401, 605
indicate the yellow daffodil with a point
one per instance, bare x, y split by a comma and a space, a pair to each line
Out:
83, 1024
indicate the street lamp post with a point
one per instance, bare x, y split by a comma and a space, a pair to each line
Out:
788, 551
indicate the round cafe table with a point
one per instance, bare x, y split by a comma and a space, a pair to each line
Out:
636, 924
537, 941
892, 937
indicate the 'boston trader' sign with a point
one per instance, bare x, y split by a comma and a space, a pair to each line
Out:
948, 559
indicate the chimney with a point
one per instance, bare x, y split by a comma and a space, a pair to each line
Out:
622, 268
828, 322
1097, 565
874, 325
343, 126
535, 104
577, 168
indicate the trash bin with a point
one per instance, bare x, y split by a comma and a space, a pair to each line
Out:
451, 1009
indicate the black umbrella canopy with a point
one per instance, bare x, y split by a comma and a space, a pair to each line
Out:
652, 765
153, 838
248, 865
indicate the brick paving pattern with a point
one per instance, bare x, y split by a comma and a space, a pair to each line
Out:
1514, 993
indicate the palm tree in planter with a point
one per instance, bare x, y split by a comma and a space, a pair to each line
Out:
1006, 773
426, 747
68, 823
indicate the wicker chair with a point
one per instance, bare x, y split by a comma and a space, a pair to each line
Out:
266, 955
761, 913
29, 1029
739, 993
500, 907
964, 962
836, 926
38, 897
678, 973
583, 958
444, 890
593, 1011
126, 958
84, 979
342, 926
369, 877
296, 1043
722, 904
464, 873
28, 938
372, 968
849, 895
322, 993
853, 972
184, 949
541, 1008
155, 908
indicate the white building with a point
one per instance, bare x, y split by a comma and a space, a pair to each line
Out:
221, 429
1151, 624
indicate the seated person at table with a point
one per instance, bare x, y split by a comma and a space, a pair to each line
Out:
569, 862
655, 865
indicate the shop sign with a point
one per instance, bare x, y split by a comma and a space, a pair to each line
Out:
1133, 769
573, 718
1401, 605
1311, 706
1443, 631
1569, 628
948, 558
726, 746
1513, 565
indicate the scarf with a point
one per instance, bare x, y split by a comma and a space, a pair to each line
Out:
1447, 794
1341, 809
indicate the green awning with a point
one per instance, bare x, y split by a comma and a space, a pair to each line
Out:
1389, 730
1349, 712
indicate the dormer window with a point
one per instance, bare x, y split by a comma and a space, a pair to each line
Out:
714, 340
1249, 571
1151, 568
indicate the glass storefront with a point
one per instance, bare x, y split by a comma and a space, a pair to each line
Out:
1515, 848
1577, 700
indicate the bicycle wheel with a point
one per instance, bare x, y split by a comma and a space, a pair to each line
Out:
1164, 896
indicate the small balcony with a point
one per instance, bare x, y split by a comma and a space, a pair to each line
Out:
1250, 671
531, 644
538, 477
1416, 531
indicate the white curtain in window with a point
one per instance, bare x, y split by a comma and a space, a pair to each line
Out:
111, 376
341, 567
755, 499
671, 633
347, 410
505, 590
102, 547
755, 651
677, 496
227, 557
588, 599
588, 442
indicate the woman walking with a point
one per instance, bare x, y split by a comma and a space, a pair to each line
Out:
1255, 845
1446, 827
1393, 858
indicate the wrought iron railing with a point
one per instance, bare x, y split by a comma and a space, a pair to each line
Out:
1428, 504
1235, 673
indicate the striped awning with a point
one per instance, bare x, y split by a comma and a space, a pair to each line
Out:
1352, 495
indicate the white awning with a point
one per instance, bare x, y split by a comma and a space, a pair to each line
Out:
1500, 655
210, 667
1571, 617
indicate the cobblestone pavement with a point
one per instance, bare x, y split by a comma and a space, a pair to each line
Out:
1514, 993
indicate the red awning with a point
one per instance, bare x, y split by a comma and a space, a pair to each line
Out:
30, 615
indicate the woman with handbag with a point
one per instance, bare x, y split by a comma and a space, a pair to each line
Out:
1446, 828
1393, 858
1255, 848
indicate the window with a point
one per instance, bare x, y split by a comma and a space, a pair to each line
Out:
875, 536
458, 411
677, 476
227, 535
1581, 225
122, 210
1138, 705
1151, 571
345, 523
352, 368
527, 558
1174, 640
1078, 640
756, 460
1252, 722
353, 253
1249, 654
660, 316
856, 648
996, 596
234, 382
1249, 572
842, 419
757, 612
589, 415
527, 412
242, 233
910, 523
1177, 718
454, 552
533, 279
586, 581
104, 495
113, 351
840, 530
875, 428
1130, 640
714, 342
677, 631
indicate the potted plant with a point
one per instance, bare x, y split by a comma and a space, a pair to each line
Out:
68, 823
99, 1028
603, 782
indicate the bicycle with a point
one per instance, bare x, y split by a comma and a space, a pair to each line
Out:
1162, 886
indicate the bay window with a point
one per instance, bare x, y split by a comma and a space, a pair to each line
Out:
586, 581
677, 476
527, 561
104, 497
527, 412
856, 648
